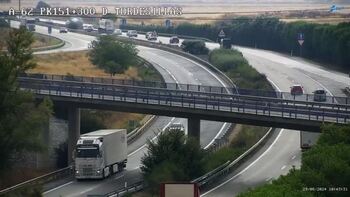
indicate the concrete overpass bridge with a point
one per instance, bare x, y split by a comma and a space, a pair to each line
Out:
187, 101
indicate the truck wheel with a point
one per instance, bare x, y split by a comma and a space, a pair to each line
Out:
120, 167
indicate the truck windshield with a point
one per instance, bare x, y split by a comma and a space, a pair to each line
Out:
87, 152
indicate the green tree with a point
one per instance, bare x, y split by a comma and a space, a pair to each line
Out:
21, 119
174, 157
111, 55
195, 47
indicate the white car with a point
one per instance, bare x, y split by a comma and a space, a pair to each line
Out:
132, 33
63, 30
118, 32
88, 28
176, 127
151, 35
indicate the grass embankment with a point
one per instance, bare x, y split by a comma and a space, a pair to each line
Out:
243, 137
40, 40
233, 64
78, 64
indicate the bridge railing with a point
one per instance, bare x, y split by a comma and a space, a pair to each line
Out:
189, 87
273, 107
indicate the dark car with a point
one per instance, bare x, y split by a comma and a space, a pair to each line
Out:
320, 95
174, 40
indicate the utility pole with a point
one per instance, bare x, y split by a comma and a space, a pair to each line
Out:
19, 5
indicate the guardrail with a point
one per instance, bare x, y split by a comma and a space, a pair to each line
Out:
56, 46
138, 131
228, 167
189, 87
227, 80
69, 171
105, 89
122, 191
64, 172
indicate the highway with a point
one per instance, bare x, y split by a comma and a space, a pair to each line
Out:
174, 68
279, 155
282, 152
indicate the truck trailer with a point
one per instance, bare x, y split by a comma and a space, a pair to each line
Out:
100, 154
106, 26
308, 139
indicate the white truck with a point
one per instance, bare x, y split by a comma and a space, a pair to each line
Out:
100, 154
106, 26
308, 139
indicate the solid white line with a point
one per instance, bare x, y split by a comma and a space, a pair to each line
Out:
245, 169
143, 146
172, 76
283, 167
273, 83
330, 93
217, 135
56, 188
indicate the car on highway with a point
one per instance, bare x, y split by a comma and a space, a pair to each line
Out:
118, 32
151, 35
296, 90
174, 40
320, 95
176, 127
88, 28
63, 30
131, 33
148, 34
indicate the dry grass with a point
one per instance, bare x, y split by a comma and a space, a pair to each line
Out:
40, 40
75, 63
121, 120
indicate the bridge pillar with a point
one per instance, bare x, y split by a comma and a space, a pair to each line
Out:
73, 130
194, 128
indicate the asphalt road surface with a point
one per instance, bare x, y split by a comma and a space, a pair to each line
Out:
174, 69
282, 151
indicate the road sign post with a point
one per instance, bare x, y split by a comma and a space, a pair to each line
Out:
301, 42
221, 36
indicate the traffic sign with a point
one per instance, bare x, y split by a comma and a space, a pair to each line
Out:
167, 23
222, 34
301, 38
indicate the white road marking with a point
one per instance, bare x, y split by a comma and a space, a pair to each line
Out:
143, 146
283, 167
56, 188
217, 135
330, 93
293, 157
245, 169
268, 179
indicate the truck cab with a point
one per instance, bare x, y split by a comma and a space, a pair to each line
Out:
100, 154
